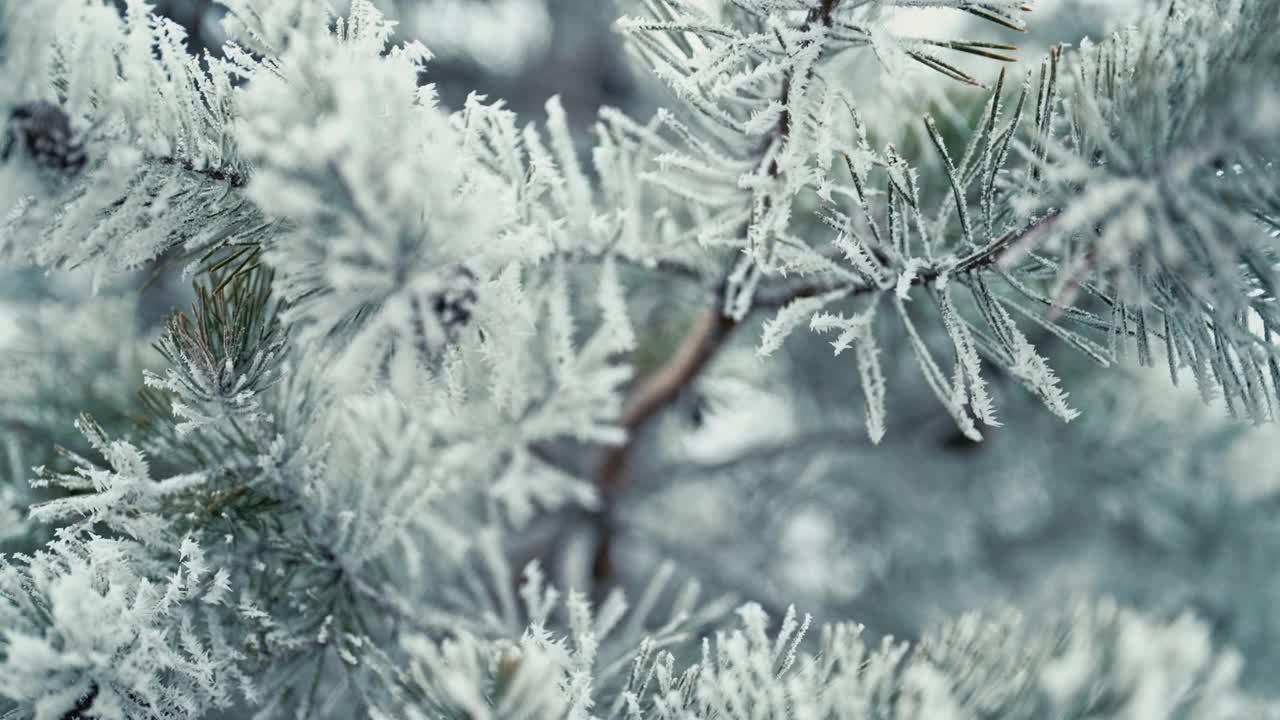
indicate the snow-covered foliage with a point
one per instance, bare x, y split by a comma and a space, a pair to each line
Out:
156, 125
407, 315
93, 625
1096, 660
61, 357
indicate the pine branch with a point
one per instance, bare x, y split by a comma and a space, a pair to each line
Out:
708, 335
231, 177
712, 331
997, 252
705, 339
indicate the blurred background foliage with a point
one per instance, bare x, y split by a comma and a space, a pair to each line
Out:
762, 482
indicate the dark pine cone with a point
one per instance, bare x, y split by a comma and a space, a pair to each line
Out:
42, 131
441, 315
453, 305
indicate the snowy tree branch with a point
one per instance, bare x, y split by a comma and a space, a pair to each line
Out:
704, 340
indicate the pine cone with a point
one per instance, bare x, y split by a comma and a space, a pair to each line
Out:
453, 305
42, 131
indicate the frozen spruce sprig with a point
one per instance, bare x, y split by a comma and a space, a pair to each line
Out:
122, 494
759, 88
393, 227
155, 166
809, 147
62, 356
98, 627
1065, 214
1159, 149
223, 356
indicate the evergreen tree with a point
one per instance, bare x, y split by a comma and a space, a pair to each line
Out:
413, 440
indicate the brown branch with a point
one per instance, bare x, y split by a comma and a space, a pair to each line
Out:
706, 337
704, 340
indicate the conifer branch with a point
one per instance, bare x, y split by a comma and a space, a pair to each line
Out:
387, 389
997, 252
706, 338
231, 177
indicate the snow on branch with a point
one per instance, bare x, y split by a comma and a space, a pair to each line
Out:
95, 625
156, 166
399, 307
1093, 658
1160, 156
